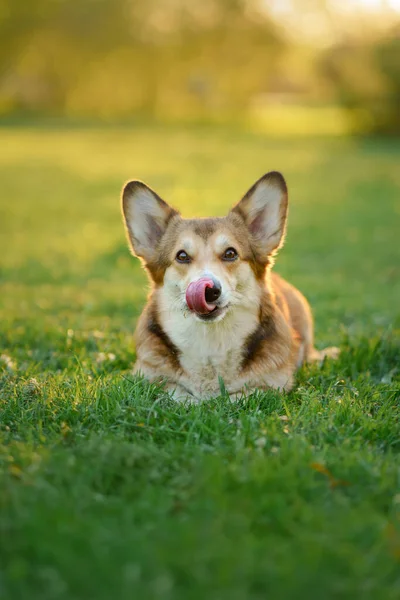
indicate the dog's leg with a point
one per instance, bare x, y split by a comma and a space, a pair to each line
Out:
319, 355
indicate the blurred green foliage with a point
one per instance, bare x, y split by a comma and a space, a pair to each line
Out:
107, 57
366, 79
180, 59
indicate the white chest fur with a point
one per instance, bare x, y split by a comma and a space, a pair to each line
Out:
210, 351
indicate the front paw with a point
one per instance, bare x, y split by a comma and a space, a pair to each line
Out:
180, 394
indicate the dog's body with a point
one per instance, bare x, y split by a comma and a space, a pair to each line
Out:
216, 312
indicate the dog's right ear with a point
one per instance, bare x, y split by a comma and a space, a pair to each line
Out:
146, 218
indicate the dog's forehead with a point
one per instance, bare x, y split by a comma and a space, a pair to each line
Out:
209, 229
204, 228
209, 239
212, 233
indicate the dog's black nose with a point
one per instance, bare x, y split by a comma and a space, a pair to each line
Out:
212, 294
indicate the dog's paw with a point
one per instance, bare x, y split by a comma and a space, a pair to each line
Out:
179, 394
320, 355
331, 352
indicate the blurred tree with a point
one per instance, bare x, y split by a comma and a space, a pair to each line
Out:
366, 80
107, 57
213, 57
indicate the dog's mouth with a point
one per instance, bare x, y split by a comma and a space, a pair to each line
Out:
213, 315
203, 298
199, 296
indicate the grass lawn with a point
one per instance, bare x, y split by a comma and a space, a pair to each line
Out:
110, 490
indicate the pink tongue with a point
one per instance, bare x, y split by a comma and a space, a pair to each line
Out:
196, 296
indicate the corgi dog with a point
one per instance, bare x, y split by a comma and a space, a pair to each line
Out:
216, 311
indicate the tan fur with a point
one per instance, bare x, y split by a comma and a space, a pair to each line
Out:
263, 331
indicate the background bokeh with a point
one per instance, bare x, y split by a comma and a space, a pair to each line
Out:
309, 65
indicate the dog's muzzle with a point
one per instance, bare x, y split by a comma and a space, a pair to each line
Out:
202, 295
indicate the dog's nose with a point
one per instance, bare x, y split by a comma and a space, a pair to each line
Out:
213, 293
202, 294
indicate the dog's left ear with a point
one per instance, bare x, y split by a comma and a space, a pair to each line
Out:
264, 210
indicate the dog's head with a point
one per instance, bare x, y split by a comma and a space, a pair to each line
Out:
207, 266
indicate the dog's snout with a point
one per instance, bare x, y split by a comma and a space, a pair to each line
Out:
213, 293
202, 295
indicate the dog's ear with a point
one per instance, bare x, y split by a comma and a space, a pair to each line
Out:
264, 210
146, 218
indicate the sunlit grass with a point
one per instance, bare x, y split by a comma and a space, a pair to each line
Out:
108, 489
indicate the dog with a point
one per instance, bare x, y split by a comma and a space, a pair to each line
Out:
216, 312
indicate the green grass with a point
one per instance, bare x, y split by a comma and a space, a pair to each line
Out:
110, 490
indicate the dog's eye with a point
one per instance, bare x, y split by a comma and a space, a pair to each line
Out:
183, 257
230, 254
